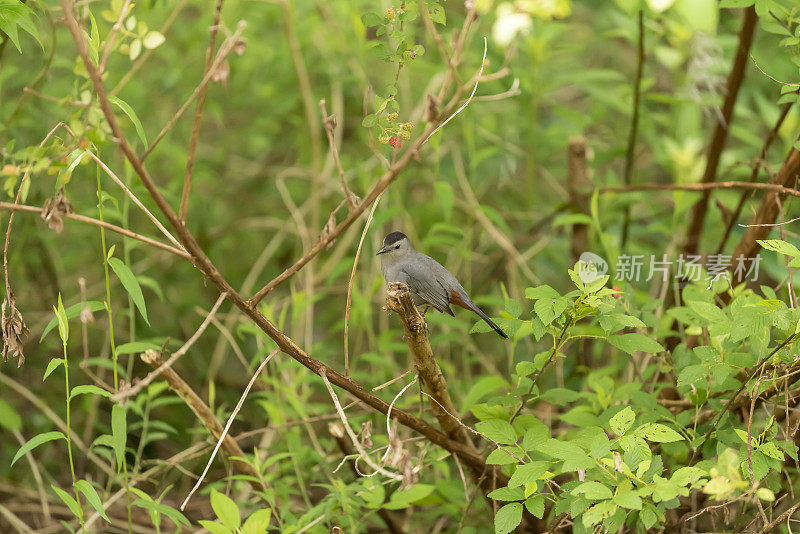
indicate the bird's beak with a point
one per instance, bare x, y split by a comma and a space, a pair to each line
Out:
382, 251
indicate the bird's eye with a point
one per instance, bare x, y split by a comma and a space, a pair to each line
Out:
397, 246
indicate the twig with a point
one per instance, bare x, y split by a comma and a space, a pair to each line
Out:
112, 35
131, 72
330, 123
356, 442
13, 211
228, 425
717, 145
229, 445
198, 114
108, 226
780, 519
770, 224
465, 104
701, 187
773, 133
136, 200
630, 152
393, 380
770, 77
224, 50
350, 287
152, 375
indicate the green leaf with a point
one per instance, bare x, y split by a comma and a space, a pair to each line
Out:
658, 433
529, 472
153, 39
628, 499
226, 510
483, 387
258, 522
119, 432
500, 457
631, 343
622, 421
52, 365
535, 505
770, 449
121, 104
507, 494
63, 324
173, 514
135, 347
214, 527
71, 503
72, 312
130, 284
436, 13
13, 14
736, 3
370, 120
780, 246
88, 389
498, 430
593, 490
35, 441
94, 499
508, 518
405, 497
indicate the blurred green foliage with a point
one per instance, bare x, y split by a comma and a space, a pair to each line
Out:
488, 198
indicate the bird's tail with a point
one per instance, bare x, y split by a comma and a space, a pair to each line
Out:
489, 322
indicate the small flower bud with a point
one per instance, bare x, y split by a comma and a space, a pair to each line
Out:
383, 139
392, 117
390, 14
395, 142
407, 126
405, 135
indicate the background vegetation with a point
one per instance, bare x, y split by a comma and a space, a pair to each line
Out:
273, 129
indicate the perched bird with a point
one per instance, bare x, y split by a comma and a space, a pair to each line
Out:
430, 284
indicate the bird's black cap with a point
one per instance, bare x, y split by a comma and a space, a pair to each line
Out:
393, 238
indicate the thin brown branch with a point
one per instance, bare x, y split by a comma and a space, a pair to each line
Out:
735, 78
702, 187
630, 152
329, 121
198, 114
103, 224
754, 174
112, 35
769, 208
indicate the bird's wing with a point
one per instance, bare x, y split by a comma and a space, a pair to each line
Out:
427, 288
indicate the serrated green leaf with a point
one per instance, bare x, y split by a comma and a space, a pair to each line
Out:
508, 518
622, 421
633, 342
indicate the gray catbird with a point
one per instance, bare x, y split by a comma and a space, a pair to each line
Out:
430, 283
